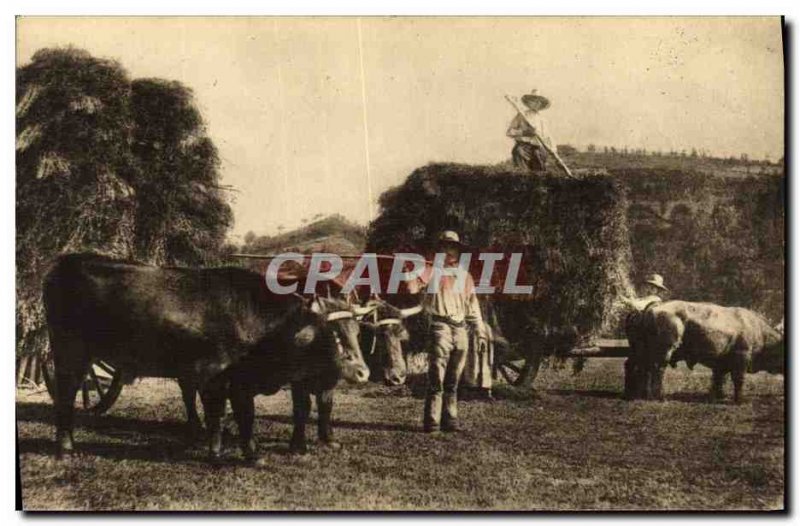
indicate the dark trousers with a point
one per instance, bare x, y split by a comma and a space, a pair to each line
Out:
529, 156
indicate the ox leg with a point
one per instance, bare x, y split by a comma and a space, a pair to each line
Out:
653, 375
658, 382
213, 397
633, 380
647, 381
737, 375
67, 384
70, 366
717, 383
189, 393
530, 370
242, 401
301, 407
325, 408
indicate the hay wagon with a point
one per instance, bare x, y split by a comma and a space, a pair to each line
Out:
511, 368
100, 388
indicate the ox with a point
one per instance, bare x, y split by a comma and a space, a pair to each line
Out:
389, 333
216, 330
726, 339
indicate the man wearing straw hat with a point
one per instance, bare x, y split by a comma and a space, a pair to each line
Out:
653, 286
527, 152
453, 309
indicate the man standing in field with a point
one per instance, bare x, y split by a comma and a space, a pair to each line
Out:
651, 292
528, 152
453, 308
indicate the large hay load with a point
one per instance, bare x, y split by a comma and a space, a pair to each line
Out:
572, 233
714, 238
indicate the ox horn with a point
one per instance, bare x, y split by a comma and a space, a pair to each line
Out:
411, 311
339, 315
366, 309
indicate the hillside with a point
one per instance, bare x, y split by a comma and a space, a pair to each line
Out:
330, 234
728, 167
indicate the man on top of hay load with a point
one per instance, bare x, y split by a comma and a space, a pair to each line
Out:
452, 311
527, 152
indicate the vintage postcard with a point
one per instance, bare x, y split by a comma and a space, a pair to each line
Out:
400, 264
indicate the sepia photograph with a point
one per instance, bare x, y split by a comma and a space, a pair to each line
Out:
401, 264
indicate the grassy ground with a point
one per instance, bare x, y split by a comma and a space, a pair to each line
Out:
575, 446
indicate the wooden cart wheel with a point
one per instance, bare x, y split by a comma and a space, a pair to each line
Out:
509, 371
100, 388
517, 372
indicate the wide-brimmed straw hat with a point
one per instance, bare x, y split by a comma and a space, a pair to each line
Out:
450, 236
656, 280
535, 102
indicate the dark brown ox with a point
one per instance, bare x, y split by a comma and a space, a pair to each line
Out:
216, 330
727, 339
388, 333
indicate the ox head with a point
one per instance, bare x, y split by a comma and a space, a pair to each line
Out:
389, 331
771, 356
335, 329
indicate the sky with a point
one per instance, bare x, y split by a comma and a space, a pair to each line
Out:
320, 115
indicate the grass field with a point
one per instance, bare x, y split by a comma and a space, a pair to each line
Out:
574, 446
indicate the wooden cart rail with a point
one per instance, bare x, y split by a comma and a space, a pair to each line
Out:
603, 348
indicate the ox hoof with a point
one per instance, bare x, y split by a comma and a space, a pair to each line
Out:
260, 462
214, 457
330, 444
298, 448
63, 454
65, 445
249, 452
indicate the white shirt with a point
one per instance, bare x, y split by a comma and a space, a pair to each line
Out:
449, 302
640, 303
523, 129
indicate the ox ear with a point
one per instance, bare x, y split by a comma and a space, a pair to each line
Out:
305, 336
316, 306
403, 334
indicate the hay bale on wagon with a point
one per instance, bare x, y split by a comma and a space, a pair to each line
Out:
572, 232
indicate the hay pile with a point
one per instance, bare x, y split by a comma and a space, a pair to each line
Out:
573, 233
73, 188
714, 238
110, 165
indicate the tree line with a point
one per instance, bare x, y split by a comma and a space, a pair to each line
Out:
691, 153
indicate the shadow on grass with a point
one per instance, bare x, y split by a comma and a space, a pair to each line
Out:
166, 441
40, 412
159, 452
686, 397
592, 393
344, 424
689, 397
